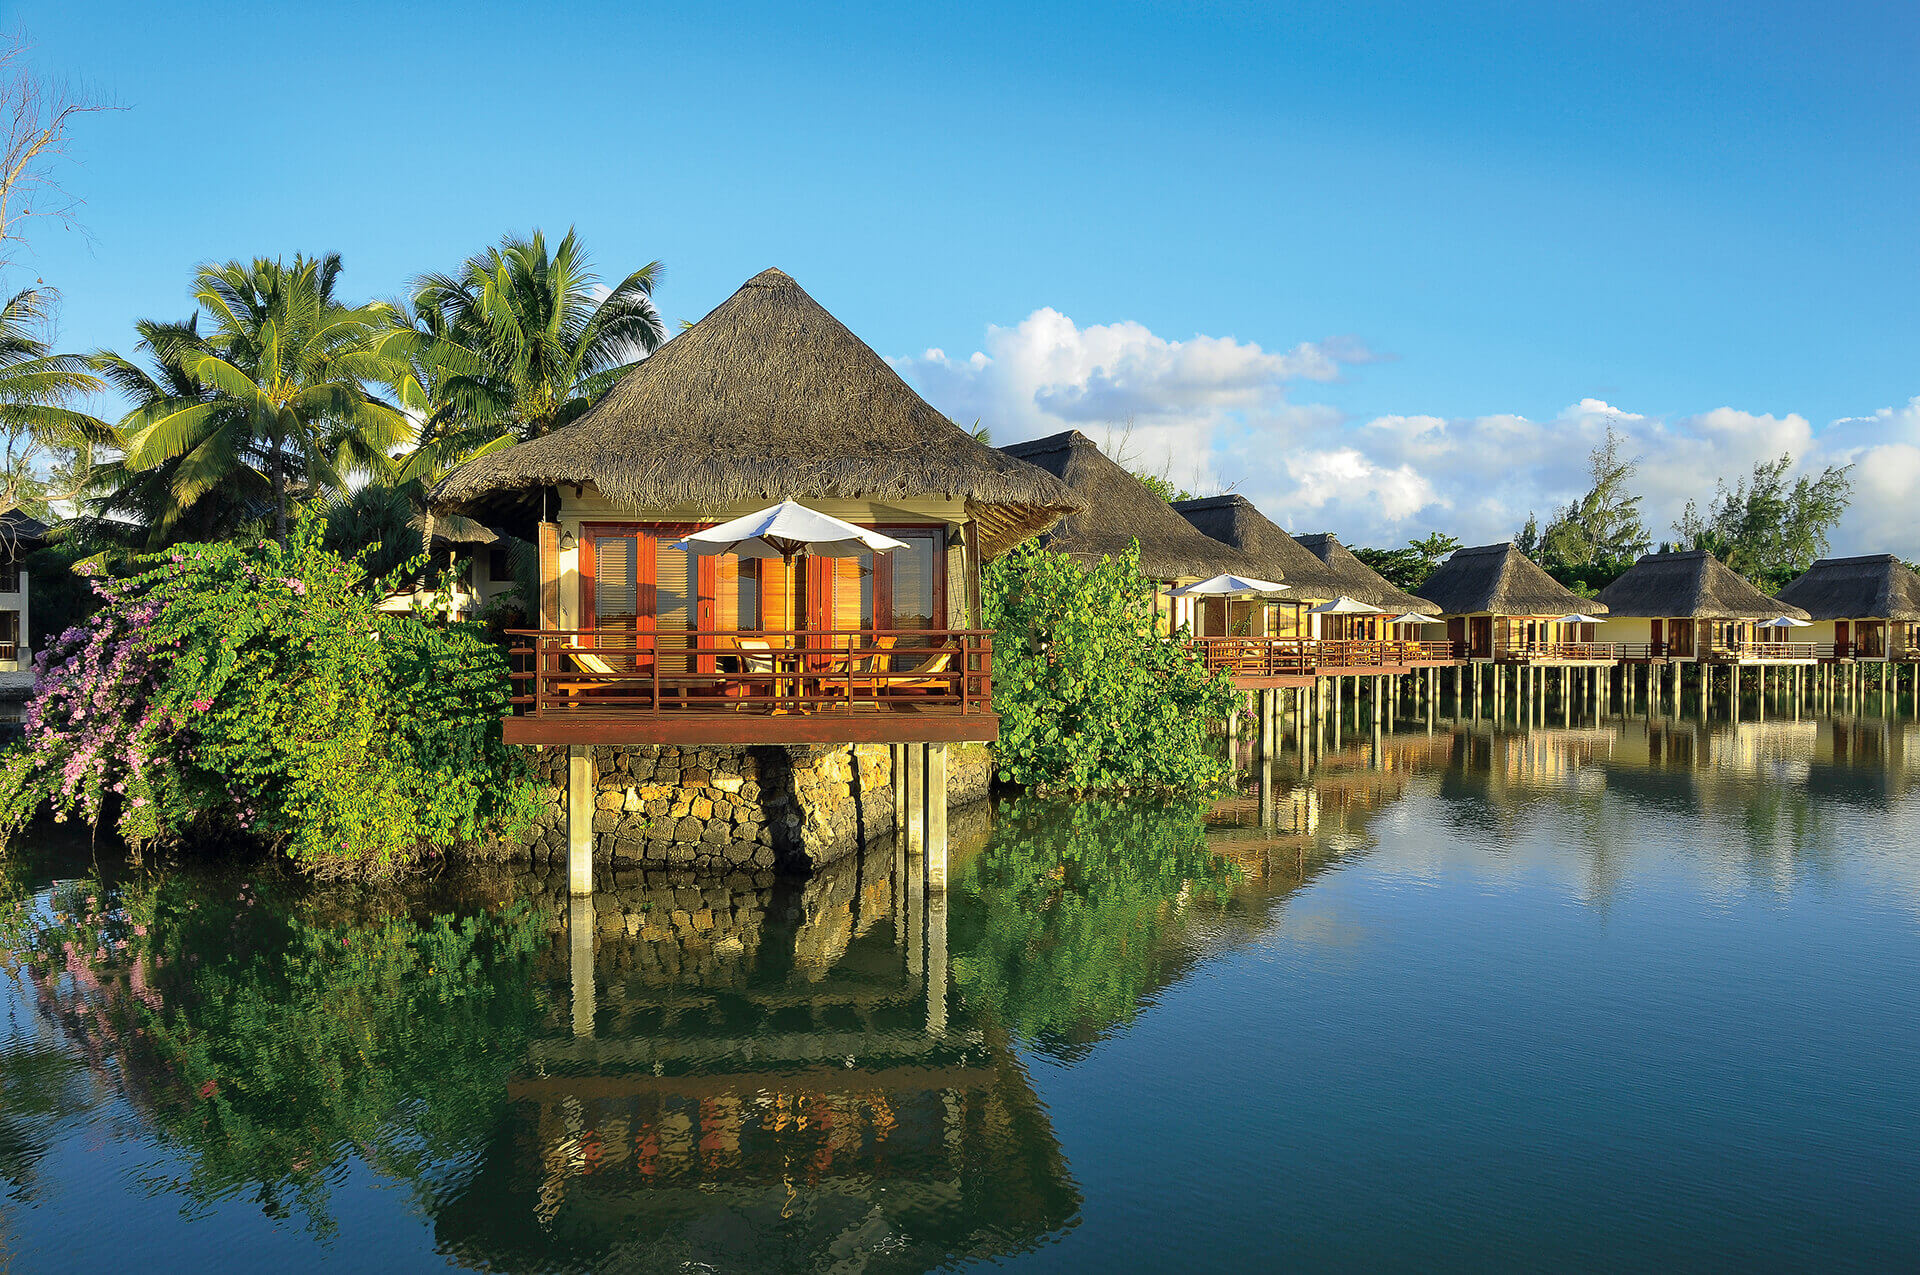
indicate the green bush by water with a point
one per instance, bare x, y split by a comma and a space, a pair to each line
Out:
1089, 698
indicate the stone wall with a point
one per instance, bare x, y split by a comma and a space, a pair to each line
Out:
753, 809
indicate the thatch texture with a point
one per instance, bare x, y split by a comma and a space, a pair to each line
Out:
1233, 520
1119, 509
1877, 586
1360, 581
768, 397
1691, 585
1500, 580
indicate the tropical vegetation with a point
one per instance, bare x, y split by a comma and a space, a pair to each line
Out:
255, 692
1089, 697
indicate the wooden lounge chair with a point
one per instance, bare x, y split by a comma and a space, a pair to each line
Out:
599, 674
925, 678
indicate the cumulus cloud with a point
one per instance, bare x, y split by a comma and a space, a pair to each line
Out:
1215, 413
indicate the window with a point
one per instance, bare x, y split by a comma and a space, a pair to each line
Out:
9, 577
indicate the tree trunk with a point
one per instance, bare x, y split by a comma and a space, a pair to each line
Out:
279, 492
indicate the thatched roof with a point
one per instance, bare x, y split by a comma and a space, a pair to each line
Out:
1119, 509
768, 397
1691, 585
21, 534
1877, 586
1360, 581
454, 530
1233, 520
1503, 581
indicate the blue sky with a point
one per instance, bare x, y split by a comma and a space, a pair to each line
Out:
1381, 268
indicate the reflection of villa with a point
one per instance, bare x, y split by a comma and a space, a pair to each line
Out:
643, 641
1865, 608
1692, 608
1501, 607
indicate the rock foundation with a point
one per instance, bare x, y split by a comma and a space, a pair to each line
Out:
751, 810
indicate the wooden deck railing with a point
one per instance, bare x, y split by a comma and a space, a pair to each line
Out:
1524, 651
9, 650
1785, 651
1249, 657
561, 671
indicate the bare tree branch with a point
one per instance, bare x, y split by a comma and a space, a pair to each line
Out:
36, 114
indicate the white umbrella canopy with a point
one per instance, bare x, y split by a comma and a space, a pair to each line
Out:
784, 530
1577, 618
1228, 586
1411, 618
1344, 605
1785, 622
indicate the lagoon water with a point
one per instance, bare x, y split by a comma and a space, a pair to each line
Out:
1642, 996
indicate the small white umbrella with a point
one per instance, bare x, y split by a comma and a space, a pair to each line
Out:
785, 530
1577, 618
1344, 605
1411, 618
1785, 622
1228, 586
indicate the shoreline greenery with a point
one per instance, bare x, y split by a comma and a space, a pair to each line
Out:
1089, 698
256, 693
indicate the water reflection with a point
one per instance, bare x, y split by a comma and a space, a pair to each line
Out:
745, 1073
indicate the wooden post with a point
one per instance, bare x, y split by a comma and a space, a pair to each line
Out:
936, 818
579, 819
916, 807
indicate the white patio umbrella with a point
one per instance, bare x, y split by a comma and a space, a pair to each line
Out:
1784, 622
1577, 618
785, 530
1228, 586
1344, 605
1411, 618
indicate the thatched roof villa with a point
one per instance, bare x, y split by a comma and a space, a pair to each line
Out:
1500, 605
1690, 606
1865, 608
769, 397
1361, 582
1119, 509
1233, 520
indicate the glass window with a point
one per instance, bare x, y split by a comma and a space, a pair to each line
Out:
915, 580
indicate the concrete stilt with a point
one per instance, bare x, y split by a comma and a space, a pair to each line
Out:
936, 817
579, 819
916, 804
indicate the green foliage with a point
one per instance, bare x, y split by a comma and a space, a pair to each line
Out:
269, 1036
1163, 486
1066, 919
1591, 542
1409, 568
1089, 698
257, 691
1766, 529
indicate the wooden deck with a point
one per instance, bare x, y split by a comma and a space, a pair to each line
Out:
636, 686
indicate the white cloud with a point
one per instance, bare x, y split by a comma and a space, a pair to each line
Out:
1216, 413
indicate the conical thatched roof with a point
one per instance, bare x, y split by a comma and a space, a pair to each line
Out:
1877, 586
1120, 509
1691, 585
1503, 581
1360, 581
1233, 520
768, 397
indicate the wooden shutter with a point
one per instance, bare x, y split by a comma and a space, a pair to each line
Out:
549, 575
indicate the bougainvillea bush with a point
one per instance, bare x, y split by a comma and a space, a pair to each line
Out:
256, 692
1089, 698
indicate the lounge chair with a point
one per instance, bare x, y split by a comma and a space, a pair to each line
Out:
924, 678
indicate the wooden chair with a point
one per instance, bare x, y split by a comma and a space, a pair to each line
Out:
924, 678
599, 674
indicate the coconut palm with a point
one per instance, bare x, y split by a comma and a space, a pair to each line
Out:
516, 342
36, 385
284, 370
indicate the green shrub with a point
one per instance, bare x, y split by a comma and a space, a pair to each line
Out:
256, 690
1089, 698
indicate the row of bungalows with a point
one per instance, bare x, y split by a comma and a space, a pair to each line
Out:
1862, 608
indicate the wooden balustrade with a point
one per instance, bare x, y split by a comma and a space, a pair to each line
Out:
1258, 657
639, 673
1571, 652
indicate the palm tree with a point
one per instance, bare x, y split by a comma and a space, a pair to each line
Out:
282, 376
517, 343
35, 387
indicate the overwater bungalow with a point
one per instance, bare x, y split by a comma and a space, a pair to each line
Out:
642, 640
1691, 607
1118, 509
1501, 607
19, 536
1863, 608
1233, 520
1361, 583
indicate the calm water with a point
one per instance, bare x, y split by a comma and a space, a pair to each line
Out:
1636, 997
